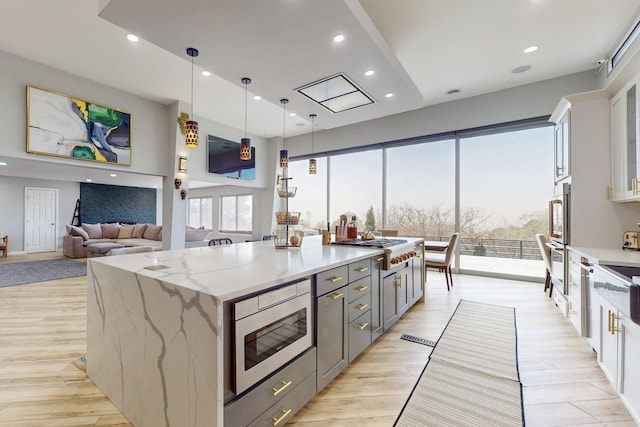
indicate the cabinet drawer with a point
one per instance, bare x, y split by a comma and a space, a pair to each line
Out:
359, 306
282, 411
244, 410
560, 300
360, 269
359, 288
359, 335
574, 313
330, 280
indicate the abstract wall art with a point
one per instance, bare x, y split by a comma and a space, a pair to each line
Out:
59, 125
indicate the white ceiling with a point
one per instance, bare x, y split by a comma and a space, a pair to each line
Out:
420, 49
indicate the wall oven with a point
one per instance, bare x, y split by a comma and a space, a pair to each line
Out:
269, 330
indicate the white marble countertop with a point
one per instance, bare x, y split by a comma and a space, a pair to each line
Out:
627, 258
232, 271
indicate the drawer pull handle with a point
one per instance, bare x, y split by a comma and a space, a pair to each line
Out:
609, 321
572, 311
276, 421
361, 269
335, 279
337, 295
285, 384
362, 306
586, 267
380, 259
362, 288
361, 326
614, 317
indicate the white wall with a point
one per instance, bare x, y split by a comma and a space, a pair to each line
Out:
12, 207
148, 118
533, 100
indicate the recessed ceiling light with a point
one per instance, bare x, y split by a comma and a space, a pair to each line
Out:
453, 91
113, 175
388, 95
257, 97
521, 69
531, 49
3, 164
88, 180
132, 37
206, 73
369, 73
292, 114
339, 38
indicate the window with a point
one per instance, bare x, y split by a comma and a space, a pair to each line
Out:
421, 189
311, 195
236, 213
200, 212
355, 185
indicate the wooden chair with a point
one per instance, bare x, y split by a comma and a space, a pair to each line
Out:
444, 264
4, 243
545, 251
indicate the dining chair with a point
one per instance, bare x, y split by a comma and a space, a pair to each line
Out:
220, 241
545, 251
4, 242
444, 264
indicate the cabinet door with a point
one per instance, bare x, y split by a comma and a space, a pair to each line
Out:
377, 298
608, 356
404, 285
417, 280
624, 137
561, 144
390, 304
629, 383
332, 339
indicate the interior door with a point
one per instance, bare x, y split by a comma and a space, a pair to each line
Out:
41, 213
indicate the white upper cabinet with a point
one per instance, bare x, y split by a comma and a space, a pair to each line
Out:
624, 144
562, 147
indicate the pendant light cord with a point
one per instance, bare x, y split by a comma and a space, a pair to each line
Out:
192, 118
245, 107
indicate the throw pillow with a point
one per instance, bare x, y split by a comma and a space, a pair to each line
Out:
138, 230
110, 231
72, 230
195, 235
151, 232
93, 230
126, 232
159, 236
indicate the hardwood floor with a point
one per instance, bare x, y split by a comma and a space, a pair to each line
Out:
43, 331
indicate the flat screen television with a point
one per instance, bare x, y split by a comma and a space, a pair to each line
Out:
224, 159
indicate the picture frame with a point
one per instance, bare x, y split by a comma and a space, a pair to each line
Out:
63, 126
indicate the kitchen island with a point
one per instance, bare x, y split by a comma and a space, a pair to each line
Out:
155, 321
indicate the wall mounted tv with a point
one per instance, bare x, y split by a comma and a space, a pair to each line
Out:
224, 159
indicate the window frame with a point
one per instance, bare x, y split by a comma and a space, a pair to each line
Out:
221, 213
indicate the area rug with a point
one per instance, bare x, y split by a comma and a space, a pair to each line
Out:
471, 378
20, 273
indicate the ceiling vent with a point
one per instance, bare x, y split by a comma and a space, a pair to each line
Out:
336, 93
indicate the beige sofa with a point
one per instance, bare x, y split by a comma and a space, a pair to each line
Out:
75, 243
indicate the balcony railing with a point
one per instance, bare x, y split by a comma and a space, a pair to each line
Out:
498, 248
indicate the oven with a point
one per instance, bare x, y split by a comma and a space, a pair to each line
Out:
269, 330
559, 215
396, 251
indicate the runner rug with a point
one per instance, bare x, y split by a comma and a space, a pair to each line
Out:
20, 273
471, 378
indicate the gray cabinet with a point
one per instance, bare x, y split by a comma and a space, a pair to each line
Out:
377, 298
280, 396
332, 336
343, 317
395, 292
417, 280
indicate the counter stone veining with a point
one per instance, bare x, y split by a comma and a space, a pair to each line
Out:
232, 271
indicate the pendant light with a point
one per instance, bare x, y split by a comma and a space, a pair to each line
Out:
312, 162
284, 154
191, 126
245, 143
